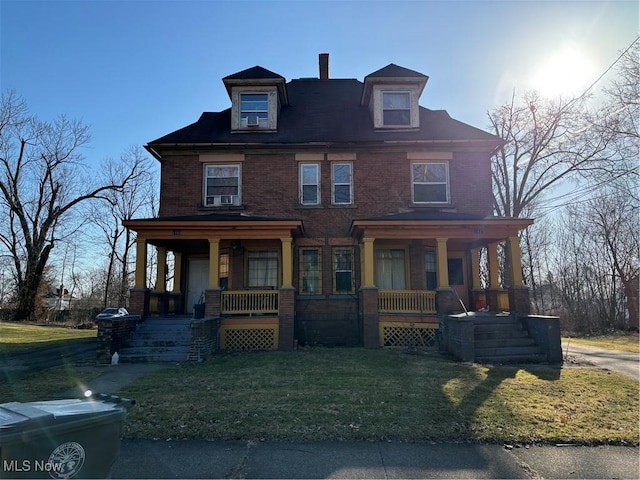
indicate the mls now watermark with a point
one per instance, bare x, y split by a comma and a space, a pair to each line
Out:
34, 466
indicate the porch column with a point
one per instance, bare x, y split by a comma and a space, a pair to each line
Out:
214, 263
287, 263
367, 277
493, 292
141, 263
161, 270
478, 297
177, 271
445, 297
513, 244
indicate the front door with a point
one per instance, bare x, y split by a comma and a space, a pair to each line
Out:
198, 281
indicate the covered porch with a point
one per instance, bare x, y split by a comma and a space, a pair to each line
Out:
236, 269
419, 266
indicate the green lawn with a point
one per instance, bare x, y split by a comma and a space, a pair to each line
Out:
21, 336
358, 394
627, 343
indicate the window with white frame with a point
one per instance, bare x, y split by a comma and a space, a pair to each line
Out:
396, 109
343, 270
430, 182
254, 110
222, 185
309, 184
310, 272
390, 269
341, 184
262, 268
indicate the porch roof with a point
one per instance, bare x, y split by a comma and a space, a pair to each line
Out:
473, 229
222, 226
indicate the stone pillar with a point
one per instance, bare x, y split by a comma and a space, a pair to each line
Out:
446, 301
139, 301
370, 317
367, 276
286, 317
287, 263
212, 302
519, 301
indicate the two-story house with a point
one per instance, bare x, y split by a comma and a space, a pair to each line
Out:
326, 211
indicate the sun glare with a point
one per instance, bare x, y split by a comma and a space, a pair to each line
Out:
567, 71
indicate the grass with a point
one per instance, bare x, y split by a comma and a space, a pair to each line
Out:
627, 343
16, 337
358, 394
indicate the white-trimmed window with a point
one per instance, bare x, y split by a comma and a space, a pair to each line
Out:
309, 184
310, 271
221, 185
396, 109
430, 182
341, 184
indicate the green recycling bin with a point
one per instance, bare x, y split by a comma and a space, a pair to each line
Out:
61, 438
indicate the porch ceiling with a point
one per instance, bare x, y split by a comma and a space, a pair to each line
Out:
179, 229
474, 232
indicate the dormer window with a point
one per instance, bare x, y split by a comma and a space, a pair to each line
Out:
396, 108
254, 110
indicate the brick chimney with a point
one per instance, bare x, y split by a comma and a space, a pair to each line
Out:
323, 60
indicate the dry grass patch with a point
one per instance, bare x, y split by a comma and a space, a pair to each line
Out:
20, 336
358, 394
626, 343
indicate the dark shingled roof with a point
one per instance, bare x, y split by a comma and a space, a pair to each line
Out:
253, 73
393, 70
325, 111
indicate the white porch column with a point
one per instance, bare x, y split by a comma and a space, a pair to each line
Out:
141, 263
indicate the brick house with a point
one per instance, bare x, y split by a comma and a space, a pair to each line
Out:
325, 211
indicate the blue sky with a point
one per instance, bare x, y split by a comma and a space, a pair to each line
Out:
136, 70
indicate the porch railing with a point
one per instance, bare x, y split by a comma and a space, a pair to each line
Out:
407, 301
251, 301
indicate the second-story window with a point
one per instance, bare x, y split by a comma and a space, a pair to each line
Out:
254, 110
341, 184
396, 108
309, 184
222, 185
430, 182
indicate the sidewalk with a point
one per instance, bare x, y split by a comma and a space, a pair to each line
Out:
235, 459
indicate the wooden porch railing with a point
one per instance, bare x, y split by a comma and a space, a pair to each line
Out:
251, 301
407, 301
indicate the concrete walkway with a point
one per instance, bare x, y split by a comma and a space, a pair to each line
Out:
627, 363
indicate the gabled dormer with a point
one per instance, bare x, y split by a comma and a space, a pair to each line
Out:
392, 95
257, 95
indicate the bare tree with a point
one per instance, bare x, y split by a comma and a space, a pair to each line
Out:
42, 182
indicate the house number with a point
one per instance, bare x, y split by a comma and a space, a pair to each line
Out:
176, 232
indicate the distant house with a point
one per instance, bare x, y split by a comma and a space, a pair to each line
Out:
325, 211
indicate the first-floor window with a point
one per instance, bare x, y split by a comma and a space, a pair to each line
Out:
430, 269
222, 185
262, 268
343, 270
310, 271
430, 182
390, 269
456, 274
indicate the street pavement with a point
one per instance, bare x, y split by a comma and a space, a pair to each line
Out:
627, 363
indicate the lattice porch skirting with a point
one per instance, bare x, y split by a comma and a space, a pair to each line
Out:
249, 337
408, 335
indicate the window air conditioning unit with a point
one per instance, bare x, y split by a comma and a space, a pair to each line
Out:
226, 199
253, 121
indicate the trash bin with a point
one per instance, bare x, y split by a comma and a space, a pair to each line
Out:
198, 310
61, 438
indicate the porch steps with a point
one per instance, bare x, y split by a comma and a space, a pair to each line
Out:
159, 339
504, 339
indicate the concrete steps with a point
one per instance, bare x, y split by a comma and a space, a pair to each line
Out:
504, 339
159, 339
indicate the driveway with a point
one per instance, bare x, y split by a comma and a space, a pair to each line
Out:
627, 363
